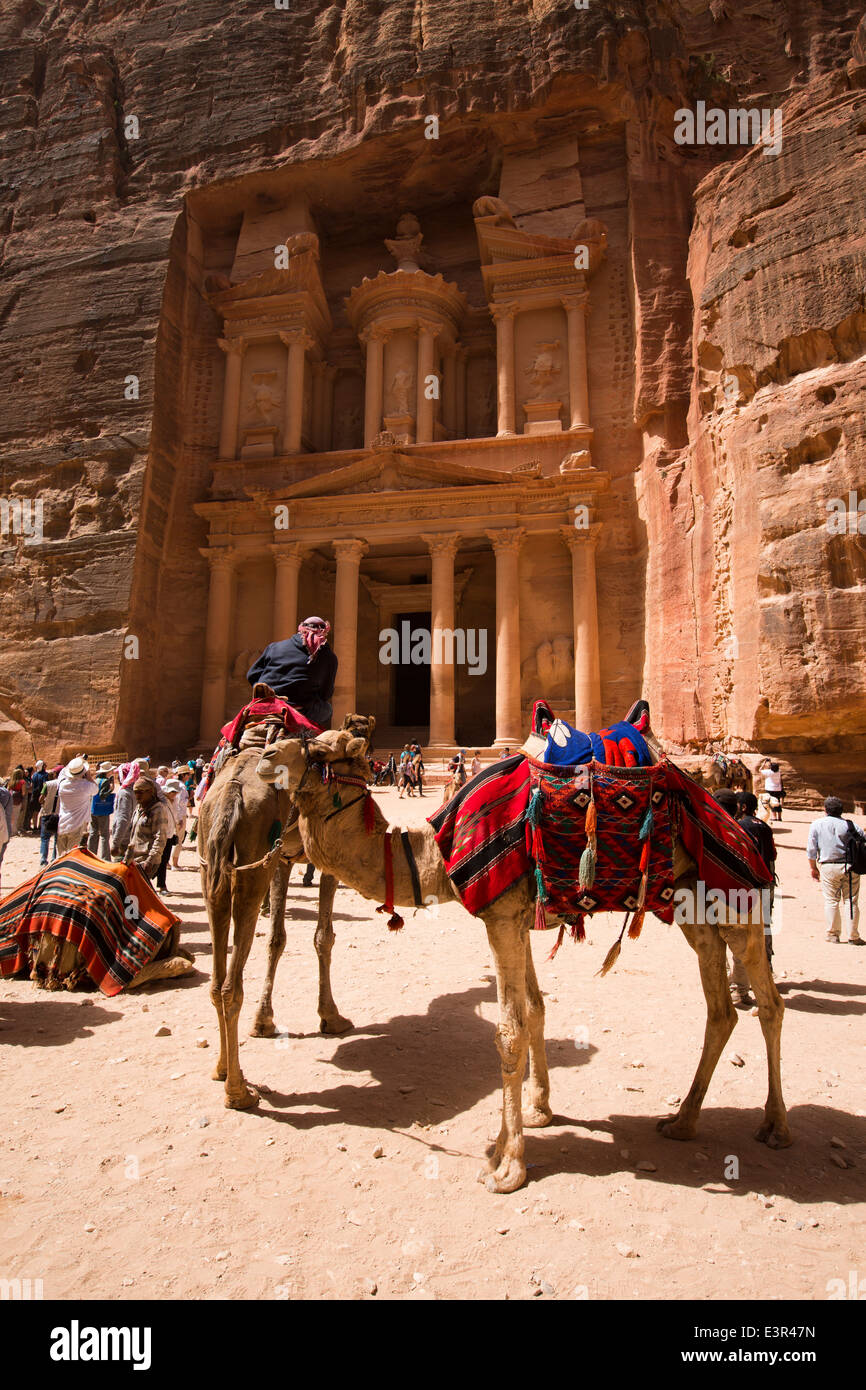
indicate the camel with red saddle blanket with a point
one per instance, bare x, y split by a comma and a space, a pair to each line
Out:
357, 846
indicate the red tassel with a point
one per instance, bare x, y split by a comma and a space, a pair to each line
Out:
395, 922
636, 923
369, 814
578, 932
540, 916
644, 856
560, 935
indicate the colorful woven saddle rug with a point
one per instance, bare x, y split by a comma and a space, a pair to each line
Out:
595, 837
601, 840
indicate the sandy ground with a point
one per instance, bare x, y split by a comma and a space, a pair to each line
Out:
122, 1175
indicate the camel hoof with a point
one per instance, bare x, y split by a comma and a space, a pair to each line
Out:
775, 1134
510, 1175
219, 1073
337, 1024
537, 1116
676, 1129
263, 1028
244, 1100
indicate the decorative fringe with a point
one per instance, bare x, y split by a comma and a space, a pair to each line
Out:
586, 872
612, 956
647, 824
578, 932
533, 811
589, 858
369, 814
559, 937
395, 921
636, 924
540, 916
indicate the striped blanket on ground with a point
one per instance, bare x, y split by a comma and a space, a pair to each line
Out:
109, 912
486, 839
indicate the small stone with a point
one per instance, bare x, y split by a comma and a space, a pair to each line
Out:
59, 1109
341, 1148
636, 1064
203, 1122
799, 1225
536, 1292
839, 1161
628, 1251
127, 1283
672, 1100
270, 1141
202, 1042
502, 1230
145, 1009
370, 1287
90, 1228
837, 1143
547, 1288
406, 1090
163, 1031
176, 1075
813, 1221
576, 1226
645, 1166
737, 1061
378, 1152
222, 1255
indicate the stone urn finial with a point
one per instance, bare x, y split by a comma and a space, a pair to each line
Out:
406, 246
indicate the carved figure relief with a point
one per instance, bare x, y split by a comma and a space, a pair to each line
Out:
264, 398
545, 366
402, 386
551, 668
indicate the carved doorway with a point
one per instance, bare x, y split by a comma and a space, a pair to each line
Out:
411, 690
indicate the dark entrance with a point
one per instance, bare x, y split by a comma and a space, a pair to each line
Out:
411, 681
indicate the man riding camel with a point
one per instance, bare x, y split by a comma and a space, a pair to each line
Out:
301, 670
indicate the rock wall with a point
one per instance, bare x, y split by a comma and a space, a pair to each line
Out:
747, 617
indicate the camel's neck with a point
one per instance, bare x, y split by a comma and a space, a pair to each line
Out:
340, 844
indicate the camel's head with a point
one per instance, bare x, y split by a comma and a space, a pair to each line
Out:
284, 764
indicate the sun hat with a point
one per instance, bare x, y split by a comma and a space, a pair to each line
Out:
76, 767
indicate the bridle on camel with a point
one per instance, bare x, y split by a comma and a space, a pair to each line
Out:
336, 779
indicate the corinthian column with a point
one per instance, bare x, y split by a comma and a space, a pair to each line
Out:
234, 349
578, 394
216, 643
287, 565
297, 342
349, 553
506, 545
425, 408
504, 316
442, 549
374, 337
587, 666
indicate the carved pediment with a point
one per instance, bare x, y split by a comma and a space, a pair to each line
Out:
393, 471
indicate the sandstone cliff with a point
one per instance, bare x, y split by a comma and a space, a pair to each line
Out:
744, 284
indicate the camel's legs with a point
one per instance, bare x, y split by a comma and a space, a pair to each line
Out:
219, 919
721, 1021
330, 1018
246, 897
747, 944
264, 1026
509, 945
537, 1111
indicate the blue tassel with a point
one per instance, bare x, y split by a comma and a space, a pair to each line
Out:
534, 808
540, 891
647, 824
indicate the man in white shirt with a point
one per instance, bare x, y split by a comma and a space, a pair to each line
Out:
826, 853
75, 791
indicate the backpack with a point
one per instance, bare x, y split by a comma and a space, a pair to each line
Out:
855, 850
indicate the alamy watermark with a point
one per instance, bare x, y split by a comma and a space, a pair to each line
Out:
737, 126
445, 646
846, 518
22, 516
